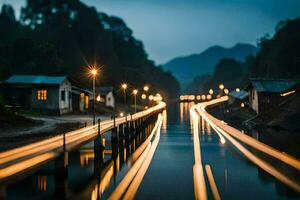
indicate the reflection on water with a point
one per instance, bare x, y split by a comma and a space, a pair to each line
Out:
42, 183
91, 172
231, 167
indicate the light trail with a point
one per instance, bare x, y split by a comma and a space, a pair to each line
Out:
199, 180
212, 183
26, 164
131, 191
131, 174
55, 144
256, 160
286, 158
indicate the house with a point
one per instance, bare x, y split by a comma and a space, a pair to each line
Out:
266, 94
44, 94
239, 97
81, 99
106, 95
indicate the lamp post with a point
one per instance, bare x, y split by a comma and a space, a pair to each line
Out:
94, 73
124, 87
135, 93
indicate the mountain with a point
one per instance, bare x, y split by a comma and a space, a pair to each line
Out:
187, 67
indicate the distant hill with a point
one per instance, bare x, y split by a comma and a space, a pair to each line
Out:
187, 67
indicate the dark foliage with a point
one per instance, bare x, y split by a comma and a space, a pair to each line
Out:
60, 37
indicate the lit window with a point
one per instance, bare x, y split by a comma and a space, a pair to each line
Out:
86, 102
42, 95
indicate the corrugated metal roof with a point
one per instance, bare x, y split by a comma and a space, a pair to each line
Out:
275, 86
239, 95
29, 79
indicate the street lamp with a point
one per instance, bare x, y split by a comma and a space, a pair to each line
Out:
144, 96
135, 93
124, 87
146, 88
221, 86
94, 73
211, 91
237, 89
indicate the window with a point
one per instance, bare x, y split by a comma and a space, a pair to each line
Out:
63, 95
42, 95
86, 102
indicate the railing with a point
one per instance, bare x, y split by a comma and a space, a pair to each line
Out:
19, 159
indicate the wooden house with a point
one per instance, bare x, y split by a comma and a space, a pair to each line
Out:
44, 94
267, 94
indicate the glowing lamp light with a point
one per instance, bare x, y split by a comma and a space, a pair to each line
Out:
221, 86
192, 97
154, 98
98, 98
198, 97
121, 114
144, 96
151, 97
242, 105
211, 91
208, 97
226, 91
124, 86
146, 88
203, 97
159, 98
135, 92
237, 90
94, 72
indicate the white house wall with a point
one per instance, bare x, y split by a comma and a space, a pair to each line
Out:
65, 106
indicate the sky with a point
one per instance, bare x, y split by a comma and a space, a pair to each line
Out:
172, 28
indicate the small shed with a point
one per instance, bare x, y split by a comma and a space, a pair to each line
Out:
266, 94
238, 97
44, 94
106, 95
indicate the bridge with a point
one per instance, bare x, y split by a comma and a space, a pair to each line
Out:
22, 160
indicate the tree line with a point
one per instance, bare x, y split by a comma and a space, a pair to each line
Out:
64, 37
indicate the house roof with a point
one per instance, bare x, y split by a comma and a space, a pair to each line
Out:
78, 90
239, 95
31, 79
104, 90
272, 85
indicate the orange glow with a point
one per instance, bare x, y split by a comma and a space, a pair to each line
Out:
42, 183
212, 183
124, 86
144, 96
146, 88
21, 166
226, 91
151, 97
203, 97
288, 93
221, 86
211, 92
242, 105
135, 92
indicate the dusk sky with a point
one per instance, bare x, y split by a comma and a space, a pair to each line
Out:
171, 28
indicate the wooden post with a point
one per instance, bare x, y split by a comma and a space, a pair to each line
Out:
99, 130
